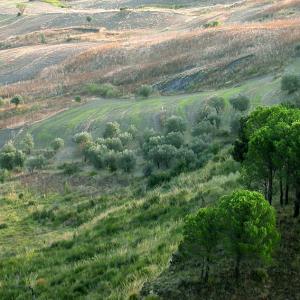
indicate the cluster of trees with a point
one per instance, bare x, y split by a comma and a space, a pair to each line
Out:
112, 151
34, 159
235, 229
268, 146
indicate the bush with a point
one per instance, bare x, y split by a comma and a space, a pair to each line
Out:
240, 103
1, 101
77, 99
16, 100
144, 91
70, 168
218, 103
105, 90
11, 158
111, 161
203, 127
112, 129
127, 161
174, 124
113, 144
158, 178
57, 144
82, 138
175, 139
36, 163
290, 83
211, 24
4, 175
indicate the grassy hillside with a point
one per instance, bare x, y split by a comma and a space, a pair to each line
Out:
145, 112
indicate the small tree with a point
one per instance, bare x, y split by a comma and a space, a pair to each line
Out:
28, 143
202, 234
21, 8
57, 144
111, 161
36, 163
89, 19
10, 157
127, 161
144, 91
175, 123
290, 83
162, 155
113, 144
250, 227
218, 103
16, 100
77, 99
112, 129
175, 139
82, 138
240, 103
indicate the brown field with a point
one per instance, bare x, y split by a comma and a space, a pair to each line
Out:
50, 51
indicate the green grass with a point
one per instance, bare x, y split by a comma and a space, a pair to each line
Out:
77, 247
56, 3
141, 113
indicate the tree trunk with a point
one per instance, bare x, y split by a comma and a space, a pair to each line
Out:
281, 191
297, 202
266, 189
287, 187
237, 267
270, 185
207, 270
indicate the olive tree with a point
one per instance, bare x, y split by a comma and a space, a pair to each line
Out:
57, 144
240, 103
112, 129
127, 161
175, 124
10, 157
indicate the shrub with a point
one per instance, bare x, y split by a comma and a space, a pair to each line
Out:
105, 90
240, 103
57, 144
28, 143
4, 175
144, 91
127, 161
175, 139
203, 127
89, 19
112, 129
10, 157
218, 103
70, 168
82, 138
158, 178
111, 161
77, 99
174, 124
125, 138
36, 163
290, 83
21, 7
211, 24
113, 144
16, 100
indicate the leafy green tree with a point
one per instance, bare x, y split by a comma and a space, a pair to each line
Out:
162, 155
144, 91
111, 160
175, 124
203, 127
240, 103
133, 131
126, 138
82, 138
112, 129
89, 19
218, 103
202, 235
127, 161
250, 227
16, 100
113, 144
175, 139
290, 83
77, 99
57, 144
10, 157
28, 143
96, 155
36, 163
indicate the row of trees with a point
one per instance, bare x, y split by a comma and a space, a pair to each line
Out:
268, 147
